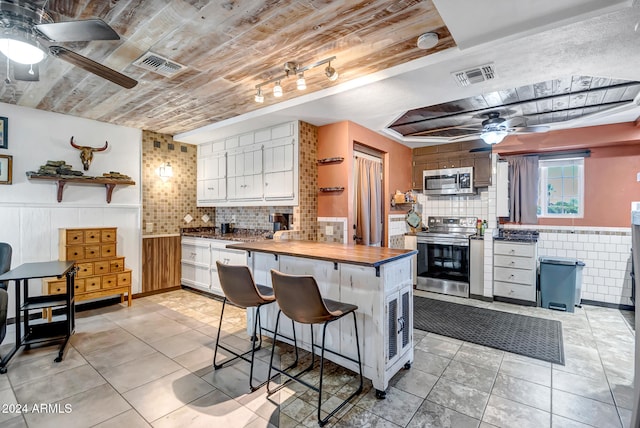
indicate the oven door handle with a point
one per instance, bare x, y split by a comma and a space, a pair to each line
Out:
444, 241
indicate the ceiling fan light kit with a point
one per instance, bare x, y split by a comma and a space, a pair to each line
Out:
493, 137
21, 51
295, 69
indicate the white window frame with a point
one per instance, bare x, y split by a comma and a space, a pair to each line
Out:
542, 187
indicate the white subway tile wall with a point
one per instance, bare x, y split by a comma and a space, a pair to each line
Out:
606, 255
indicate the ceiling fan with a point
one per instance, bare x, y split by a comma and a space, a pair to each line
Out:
28, 33
495, 128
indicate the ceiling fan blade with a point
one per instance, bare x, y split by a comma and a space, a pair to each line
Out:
78, 31
93, 67
26, 72
462, 137
528, 129
448, 128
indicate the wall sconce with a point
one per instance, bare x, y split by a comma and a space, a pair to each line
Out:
165, 171
295, 69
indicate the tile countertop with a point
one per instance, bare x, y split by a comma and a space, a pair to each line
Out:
239, 235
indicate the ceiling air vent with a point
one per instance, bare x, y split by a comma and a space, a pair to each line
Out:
475, 75
159, 64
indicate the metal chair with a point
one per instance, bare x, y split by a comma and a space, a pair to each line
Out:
5, 262
299, 298
240, 289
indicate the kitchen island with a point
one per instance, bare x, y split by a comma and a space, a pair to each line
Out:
376, 279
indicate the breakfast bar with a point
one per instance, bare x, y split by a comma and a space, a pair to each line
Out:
376, 279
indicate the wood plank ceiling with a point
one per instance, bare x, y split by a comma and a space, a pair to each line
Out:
228, 47
540, 103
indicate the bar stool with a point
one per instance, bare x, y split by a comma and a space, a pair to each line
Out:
299, 298
240, 289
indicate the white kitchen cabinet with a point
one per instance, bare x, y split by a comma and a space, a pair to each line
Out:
279, 182
196, 262
225, 256
212, 183
515, 270
199, 256
398, 323
502, 189
244, 176
250, 169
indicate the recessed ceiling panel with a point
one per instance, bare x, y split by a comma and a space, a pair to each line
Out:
541, 103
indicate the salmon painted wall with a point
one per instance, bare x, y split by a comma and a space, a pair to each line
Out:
337, 140
333, 142
610, 171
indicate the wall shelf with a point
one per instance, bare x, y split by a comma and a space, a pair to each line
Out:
331, 189
109, 183
327, 161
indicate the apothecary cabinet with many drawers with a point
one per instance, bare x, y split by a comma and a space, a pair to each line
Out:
100, 271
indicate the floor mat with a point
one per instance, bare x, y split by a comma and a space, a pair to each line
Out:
530, 336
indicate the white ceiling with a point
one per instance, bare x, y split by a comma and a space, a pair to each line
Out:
526, 41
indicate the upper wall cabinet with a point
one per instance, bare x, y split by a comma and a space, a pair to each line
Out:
251, 169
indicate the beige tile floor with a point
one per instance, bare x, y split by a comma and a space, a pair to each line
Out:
150, 365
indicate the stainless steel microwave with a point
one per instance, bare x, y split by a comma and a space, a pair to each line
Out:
450, 181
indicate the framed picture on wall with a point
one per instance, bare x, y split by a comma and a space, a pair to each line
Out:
6, 165
4, 133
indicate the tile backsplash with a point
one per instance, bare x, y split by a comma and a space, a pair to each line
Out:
166, 203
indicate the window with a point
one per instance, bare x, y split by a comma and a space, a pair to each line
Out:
561, 188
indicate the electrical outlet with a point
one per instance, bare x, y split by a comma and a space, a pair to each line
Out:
149, 227
638, 177
328, 230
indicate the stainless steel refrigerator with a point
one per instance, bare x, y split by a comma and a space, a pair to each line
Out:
635, 263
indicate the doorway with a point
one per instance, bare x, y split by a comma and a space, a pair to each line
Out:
367, 198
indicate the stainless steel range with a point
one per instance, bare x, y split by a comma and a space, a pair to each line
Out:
443, 255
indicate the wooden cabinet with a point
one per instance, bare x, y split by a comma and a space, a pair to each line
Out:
514, 270
251, 169
100, 272
160, 263
475, 154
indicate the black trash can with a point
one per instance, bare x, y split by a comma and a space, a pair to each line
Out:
560, 283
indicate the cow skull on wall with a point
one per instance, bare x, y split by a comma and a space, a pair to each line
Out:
86, 153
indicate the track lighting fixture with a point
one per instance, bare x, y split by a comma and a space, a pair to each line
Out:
295, 69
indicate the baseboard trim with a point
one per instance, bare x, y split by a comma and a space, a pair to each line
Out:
608, 305
480, 297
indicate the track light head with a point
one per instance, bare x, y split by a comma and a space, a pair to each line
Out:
301, 84
277, 90
259, 98
331, 73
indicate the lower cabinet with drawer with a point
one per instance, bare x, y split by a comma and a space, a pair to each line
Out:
199, 256
100, 272
514, 271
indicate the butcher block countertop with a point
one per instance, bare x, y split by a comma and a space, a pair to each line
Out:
354, 254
